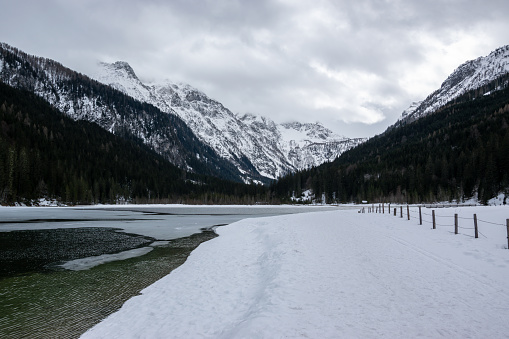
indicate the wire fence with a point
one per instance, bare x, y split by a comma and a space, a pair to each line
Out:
449, 220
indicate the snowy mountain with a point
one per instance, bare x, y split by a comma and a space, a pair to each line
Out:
311, 144
472, 75
82, 98
247, 140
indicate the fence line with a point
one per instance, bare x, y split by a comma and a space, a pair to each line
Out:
412, 212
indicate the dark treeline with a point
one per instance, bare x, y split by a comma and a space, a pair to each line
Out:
454, 153
43, 153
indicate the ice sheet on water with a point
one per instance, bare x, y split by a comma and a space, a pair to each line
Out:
163, 222
87, 263
159, 243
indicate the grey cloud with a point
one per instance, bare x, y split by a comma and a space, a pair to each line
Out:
258, 56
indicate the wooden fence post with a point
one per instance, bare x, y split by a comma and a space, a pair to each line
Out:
401, 211
507, 224
420, 216
394, 211
408, 211
455, 223
383, 208
433, 215
475, 226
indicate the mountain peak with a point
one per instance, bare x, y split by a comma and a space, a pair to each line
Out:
468, 76
121, 68
121, 76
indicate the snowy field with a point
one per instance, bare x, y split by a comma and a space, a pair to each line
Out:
337, 274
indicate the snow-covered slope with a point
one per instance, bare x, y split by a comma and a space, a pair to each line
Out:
469, 76
125, 80
245, 140
310, 144
337, 274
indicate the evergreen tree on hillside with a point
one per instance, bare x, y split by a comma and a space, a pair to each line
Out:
43, 153
454, 153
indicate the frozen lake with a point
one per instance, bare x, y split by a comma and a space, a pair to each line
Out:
44, 238
162, 222
133, 245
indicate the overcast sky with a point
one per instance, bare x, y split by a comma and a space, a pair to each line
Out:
352, 65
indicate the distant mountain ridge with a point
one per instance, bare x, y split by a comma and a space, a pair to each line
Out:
471, 75
273, 149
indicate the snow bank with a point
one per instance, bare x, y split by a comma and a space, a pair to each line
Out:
329, 275
498, 200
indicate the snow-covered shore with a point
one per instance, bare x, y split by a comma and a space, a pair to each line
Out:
329, 275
